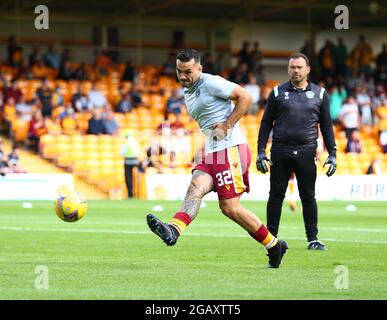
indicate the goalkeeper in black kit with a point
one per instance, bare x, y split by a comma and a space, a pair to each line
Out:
295, 110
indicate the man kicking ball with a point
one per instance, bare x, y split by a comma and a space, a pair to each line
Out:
224, 168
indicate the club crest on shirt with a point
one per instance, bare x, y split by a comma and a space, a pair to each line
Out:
310, 94
286, 95
197, 93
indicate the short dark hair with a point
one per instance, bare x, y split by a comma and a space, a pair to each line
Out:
299, 55
188, 54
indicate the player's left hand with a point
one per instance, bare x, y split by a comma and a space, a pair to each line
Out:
333, 165
220, 130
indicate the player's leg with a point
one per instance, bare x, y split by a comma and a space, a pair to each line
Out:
231, 181
280, 173
305, 170
233, 209
201, 184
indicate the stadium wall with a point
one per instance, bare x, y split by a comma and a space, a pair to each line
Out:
156, 40
355, 188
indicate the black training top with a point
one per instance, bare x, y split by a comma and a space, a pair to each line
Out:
294, 115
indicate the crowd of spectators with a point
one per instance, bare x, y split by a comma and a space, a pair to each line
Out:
355, 79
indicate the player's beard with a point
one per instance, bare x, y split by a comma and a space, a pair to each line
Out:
190, 83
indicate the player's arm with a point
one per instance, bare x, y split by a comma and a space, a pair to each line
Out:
228, 90
264, 132
328, 135
243, 101
266, 123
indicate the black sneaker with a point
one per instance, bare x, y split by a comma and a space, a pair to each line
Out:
276, 253
166, 232
316, 245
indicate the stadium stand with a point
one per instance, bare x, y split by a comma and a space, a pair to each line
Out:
61, 135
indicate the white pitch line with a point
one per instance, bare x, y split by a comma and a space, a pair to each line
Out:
232, 225
193, 234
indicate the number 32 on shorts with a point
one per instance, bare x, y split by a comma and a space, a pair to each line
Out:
224, 178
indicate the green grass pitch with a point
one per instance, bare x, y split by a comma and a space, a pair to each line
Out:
111, 254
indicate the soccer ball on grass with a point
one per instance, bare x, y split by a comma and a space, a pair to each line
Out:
70, 205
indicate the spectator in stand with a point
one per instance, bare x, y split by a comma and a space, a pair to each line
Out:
164, 128
208, 64
65, 71
25, 71
219, 64
255, 92
244, 56
125, 104
325, 59
375, 168
354, 144
24, 109
96, 98
96, 124
364, 102
9, 114
36, 128
135, 96
44, 95
175, 104
80, 101
14, 52
381, 64
111, 125
256, 57
68, 121
365, 55
130, 72
340, 55
65, 57
52, 58
337, 96
4, 166
13, 161
154, 85
13, 91
169, 67
239, 74
57, 97
350, 116
103, 63
81, 73
154, 153
35, 57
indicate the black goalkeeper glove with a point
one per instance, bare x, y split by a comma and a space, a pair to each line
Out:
333, 165
261, 162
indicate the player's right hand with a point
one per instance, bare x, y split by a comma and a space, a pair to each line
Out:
261, 162
332, 165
